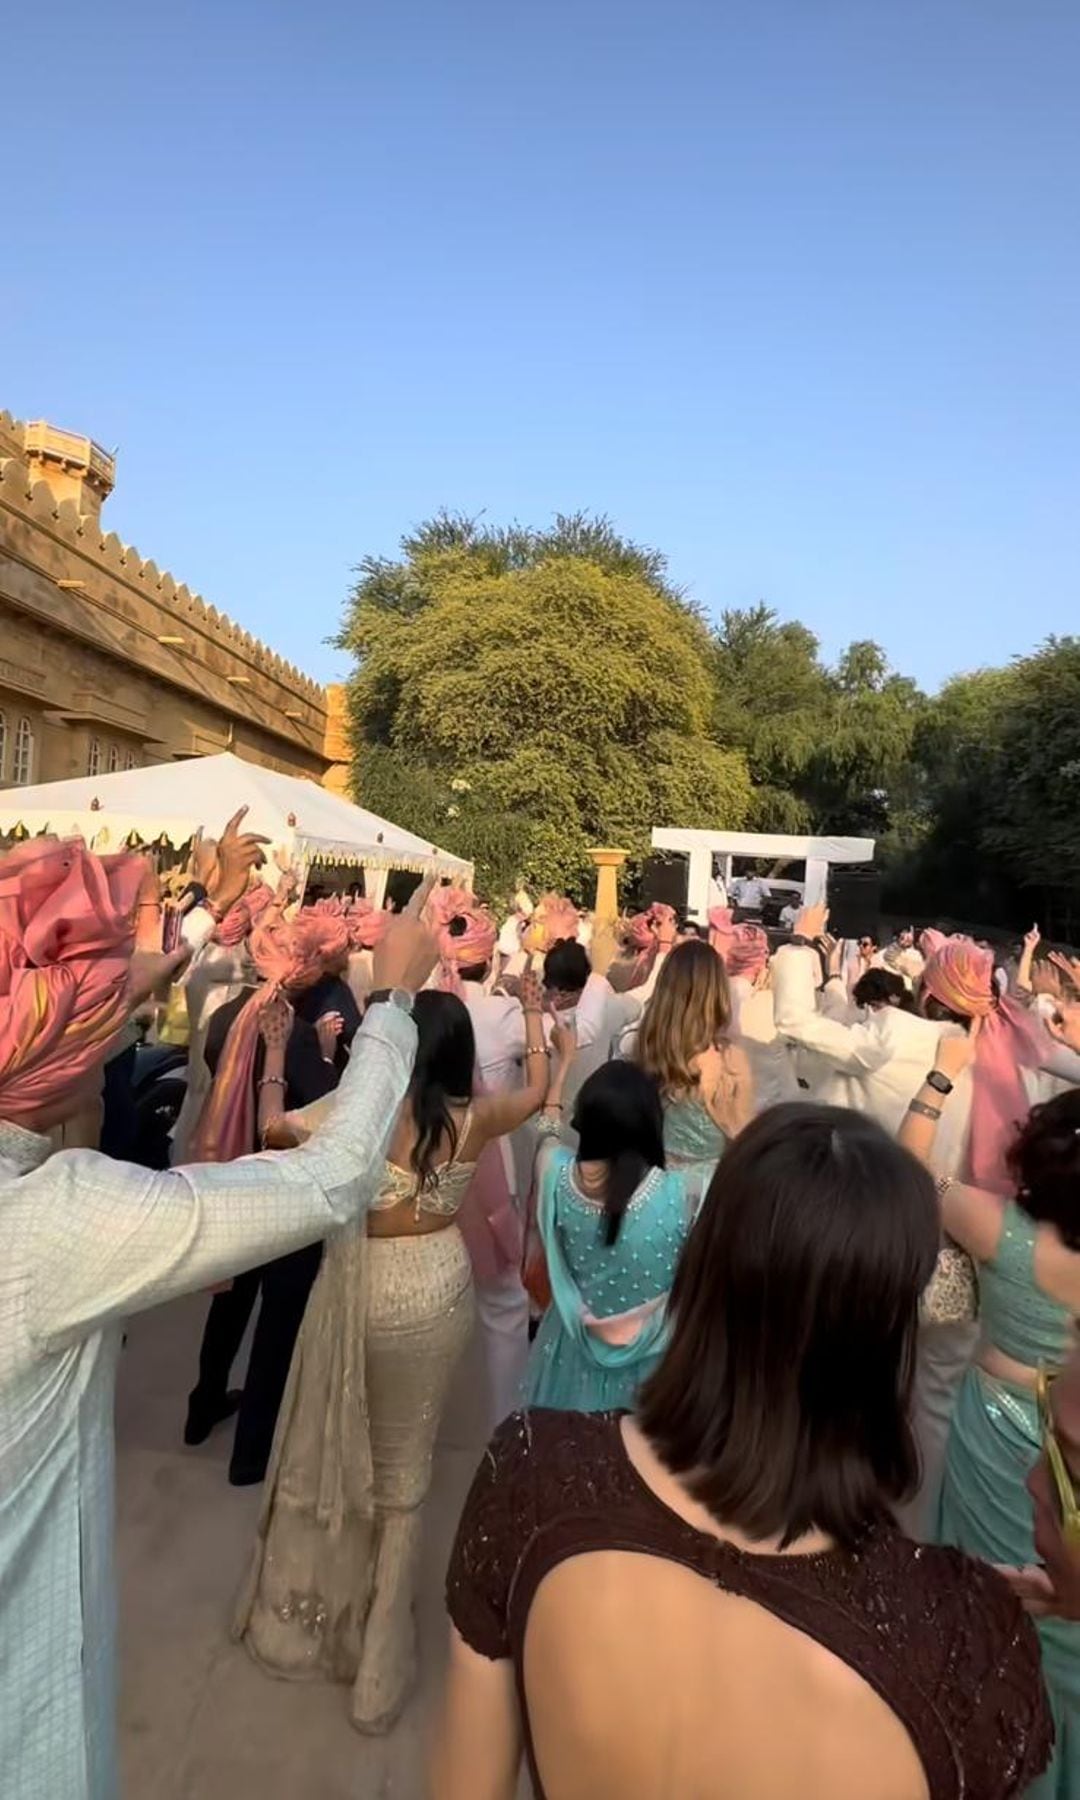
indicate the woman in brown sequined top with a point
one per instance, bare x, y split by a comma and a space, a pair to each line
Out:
709, 1600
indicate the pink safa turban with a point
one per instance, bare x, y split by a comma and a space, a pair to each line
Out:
467, 941
242, 915
291, 956
66, 937
366, 925
444, 904
640, 937
961, 977
744, 948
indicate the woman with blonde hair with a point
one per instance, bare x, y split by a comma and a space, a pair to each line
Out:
704, 1079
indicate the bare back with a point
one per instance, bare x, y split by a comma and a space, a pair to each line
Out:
644, 1680
660, 1655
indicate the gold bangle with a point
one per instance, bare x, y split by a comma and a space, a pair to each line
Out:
536, 1049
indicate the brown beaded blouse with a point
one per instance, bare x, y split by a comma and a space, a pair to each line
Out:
938, 1636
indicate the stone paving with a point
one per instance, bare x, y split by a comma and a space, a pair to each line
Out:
198, 1720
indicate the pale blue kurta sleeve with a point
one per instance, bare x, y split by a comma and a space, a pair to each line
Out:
84, 1241
110, 1239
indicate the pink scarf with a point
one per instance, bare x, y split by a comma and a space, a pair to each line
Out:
67, 928
961, 976
744, 948
290, 958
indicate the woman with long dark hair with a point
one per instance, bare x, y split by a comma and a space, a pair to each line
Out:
612, 1222
709, 1597
331, 1586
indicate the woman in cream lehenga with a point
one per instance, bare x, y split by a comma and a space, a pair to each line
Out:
330, 1591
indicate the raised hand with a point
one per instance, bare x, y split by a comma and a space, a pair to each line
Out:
328, 1029
238, 852
812, 921
404, 957
957, 1053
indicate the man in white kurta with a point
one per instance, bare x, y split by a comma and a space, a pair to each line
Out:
84, 1242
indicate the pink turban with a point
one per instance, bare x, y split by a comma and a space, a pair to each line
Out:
468, 947
331, 925
444, 904
290, 957
961, 977
744, 948
366, 924
931, 940
66, 936
640, 933
241, 916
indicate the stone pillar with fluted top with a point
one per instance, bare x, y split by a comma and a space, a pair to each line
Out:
606, 908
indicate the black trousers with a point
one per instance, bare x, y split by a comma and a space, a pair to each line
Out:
285, 1285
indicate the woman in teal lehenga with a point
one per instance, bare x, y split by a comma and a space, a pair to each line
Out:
1027, 1251
612, 1222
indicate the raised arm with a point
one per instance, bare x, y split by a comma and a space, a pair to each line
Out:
107, 1239
853, 1049
970, 1215
498, 1114
1027, 957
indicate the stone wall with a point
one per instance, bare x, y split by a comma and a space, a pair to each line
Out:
107, 656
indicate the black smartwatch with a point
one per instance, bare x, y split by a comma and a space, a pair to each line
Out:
399, 998
939, 1082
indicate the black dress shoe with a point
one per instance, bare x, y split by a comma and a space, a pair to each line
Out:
246, 1474
202, 1417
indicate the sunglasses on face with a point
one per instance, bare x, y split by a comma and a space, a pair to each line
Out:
1059, 1469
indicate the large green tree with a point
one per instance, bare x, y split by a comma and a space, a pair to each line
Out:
523, 695
828, 748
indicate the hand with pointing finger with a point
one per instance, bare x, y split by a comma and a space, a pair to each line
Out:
238, 852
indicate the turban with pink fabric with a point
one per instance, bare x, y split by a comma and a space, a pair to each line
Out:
961, 977
332, 929
640, 937
291, 956
366, 925
241, 916
67, 929
466, 941
446, 903
743, 948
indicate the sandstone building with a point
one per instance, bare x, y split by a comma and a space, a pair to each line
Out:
107, 662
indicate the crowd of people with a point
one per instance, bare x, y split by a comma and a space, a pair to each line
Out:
772, 1245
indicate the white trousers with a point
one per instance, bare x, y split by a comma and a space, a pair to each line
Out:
502, 1307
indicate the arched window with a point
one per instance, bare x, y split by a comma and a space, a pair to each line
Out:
22, 765
129, 760
3, 745
93, 766
114, 758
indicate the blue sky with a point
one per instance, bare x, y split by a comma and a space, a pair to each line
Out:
789, 288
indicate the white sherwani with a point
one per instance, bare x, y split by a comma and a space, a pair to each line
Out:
83, 1243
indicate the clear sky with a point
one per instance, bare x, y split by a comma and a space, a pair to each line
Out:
789, 288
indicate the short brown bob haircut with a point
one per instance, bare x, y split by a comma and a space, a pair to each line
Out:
784, 1394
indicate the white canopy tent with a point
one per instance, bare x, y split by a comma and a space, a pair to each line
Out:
175, 799
702, 846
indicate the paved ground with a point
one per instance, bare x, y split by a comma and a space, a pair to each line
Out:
198, 1720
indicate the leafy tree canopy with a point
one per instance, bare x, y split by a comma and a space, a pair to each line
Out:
522, 696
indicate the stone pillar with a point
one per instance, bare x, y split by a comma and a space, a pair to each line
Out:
606, 909
336, 741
